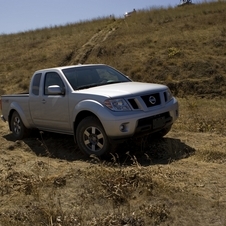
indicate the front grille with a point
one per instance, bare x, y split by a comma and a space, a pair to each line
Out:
133, 103
151, 100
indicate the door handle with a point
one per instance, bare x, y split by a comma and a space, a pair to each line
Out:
43, 101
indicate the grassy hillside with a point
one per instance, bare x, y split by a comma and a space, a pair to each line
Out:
178, 180
183, 47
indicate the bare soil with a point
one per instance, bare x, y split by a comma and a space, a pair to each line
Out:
181, 181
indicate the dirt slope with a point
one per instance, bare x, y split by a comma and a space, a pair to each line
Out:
80, 55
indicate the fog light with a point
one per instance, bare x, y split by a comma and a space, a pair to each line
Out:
123, 127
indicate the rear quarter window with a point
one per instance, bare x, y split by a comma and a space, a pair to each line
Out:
36, 84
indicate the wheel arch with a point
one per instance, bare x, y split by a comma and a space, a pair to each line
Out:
80, 116
20, 114
10, 118
16, 107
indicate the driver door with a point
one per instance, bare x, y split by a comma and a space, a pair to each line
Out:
55, 109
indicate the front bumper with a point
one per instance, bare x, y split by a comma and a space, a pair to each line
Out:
142, 123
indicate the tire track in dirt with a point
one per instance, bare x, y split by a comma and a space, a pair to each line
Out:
83, 53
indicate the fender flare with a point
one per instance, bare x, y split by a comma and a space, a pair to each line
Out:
16, 107
92, 106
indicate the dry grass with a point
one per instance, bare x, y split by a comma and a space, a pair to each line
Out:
202, 115
44, 191
43, 182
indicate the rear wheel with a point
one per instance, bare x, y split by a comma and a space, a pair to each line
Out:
17, 126
91, 137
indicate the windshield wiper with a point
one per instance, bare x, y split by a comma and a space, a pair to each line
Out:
87, 86
113, 82
98, 84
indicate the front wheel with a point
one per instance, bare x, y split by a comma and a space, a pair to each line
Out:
91, 137
17, 126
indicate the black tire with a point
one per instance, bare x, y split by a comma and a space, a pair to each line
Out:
91, 137
17, 126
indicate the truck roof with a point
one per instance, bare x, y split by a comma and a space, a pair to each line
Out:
68, 66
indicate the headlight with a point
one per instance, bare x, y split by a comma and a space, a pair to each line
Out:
117, 105
169, 95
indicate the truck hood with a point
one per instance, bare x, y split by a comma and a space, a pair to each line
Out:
123, 89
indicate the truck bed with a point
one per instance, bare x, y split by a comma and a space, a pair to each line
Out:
19, 101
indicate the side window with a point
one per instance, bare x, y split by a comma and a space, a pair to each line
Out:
36, 84
52, 78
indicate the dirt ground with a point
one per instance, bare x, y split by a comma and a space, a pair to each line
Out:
187, 171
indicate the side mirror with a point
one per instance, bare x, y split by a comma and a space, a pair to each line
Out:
55, 90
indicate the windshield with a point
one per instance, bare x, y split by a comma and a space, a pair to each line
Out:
95, 75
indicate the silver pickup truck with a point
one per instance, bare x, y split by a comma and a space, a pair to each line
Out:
95, 103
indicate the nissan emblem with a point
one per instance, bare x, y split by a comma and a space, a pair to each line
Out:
152, 100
